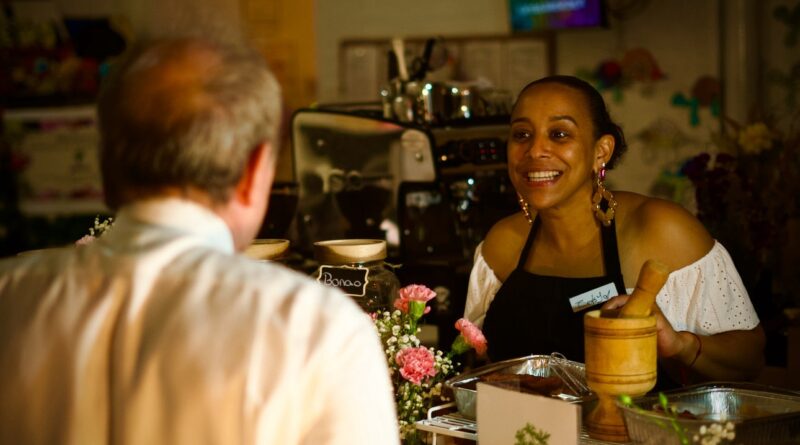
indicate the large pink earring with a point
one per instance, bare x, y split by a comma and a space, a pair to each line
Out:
602, 193
525, 209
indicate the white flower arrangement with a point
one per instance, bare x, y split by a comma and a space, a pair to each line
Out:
99, 229
417, 389
418, 373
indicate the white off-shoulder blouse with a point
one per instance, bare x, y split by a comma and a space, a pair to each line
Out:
706, 297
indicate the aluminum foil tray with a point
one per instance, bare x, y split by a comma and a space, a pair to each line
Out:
760, 414
465, 394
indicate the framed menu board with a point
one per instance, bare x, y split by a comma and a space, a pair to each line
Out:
498, 61
56, 151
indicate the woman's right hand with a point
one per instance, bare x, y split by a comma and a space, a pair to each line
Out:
671, 343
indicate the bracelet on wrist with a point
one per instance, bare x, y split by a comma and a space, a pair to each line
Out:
699, 350
684, 370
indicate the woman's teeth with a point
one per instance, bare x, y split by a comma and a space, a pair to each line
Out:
543, 175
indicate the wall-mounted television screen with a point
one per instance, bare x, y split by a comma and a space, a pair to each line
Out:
540, 15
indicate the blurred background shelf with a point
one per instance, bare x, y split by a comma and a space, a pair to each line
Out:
92, 207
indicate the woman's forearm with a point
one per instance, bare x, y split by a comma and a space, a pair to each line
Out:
732, 355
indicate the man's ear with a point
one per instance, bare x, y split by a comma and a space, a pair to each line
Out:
603, 149
256, 177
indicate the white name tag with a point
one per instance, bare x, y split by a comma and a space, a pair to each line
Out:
595, 296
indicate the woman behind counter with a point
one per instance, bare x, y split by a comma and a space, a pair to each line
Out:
576, 244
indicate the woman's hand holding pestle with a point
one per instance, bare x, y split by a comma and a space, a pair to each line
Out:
651, 279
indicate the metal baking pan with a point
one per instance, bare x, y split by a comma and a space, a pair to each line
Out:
759, 414
465, 394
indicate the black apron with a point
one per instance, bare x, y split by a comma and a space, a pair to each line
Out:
531, 314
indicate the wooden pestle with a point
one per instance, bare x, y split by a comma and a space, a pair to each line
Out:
651, 279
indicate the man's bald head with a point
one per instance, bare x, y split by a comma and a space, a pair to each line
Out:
168, 84
186, 114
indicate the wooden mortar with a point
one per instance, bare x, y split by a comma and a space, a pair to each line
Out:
620, 359
621, 354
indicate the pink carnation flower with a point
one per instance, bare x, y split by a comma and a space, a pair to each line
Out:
413, 292
416, 364
472, 334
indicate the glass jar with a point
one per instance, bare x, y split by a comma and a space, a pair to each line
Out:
356, 266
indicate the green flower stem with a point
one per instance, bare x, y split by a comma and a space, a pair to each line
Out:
459, 347
416, 309
662, 399
668, 411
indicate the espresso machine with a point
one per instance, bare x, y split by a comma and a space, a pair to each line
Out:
364, 176
430, 189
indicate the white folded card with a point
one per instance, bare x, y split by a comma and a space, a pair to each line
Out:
510, 417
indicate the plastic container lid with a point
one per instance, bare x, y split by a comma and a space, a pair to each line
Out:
349, 251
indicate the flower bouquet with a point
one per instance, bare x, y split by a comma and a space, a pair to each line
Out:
418, 373
748, 191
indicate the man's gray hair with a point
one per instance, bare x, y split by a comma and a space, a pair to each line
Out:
184, 126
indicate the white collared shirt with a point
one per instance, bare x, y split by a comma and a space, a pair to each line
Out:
158, 333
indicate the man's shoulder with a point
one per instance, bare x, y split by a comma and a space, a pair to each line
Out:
39, 260
237, 268
276, 283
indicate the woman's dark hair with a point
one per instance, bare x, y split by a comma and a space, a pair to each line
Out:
597, 108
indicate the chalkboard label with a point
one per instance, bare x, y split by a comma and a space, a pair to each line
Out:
352, 280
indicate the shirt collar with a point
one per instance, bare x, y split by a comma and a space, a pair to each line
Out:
180, 215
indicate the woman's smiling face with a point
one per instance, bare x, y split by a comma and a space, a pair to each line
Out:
552, 146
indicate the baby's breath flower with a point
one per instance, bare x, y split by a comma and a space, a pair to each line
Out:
97, 230
715, 433
416, 389
100, 227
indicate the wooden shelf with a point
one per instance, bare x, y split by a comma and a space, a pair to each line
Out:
63, 207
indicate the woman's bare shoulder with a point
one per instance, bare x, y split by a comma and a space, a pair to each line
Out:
662, 230
503, 244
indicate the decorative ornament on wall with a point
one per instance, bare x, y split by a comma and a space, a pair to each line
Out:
637, 66
791, 18
662, 136
662, 142
705, 93
672, 184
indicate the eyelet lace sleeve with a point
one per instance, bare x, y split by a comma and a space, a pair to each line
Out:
483, 285
707, 297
